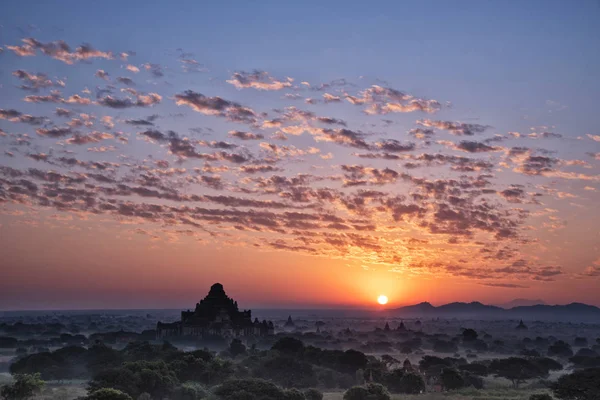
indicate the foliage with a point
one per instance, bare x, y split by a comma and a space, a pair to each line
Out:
236, 348
287, 371
247, 389
475, 369
580, 385
517, 370
288, 345
108, 394
452, 379
313, 394
135, 378
189, 391
560, 349
24, 387
293, 394
411, 383
372, 391
469, 334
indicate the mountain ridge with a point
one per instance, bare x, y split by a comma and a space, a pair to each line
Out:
565, 312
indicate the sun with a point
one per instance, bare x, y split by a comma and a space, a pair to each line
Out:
382, 299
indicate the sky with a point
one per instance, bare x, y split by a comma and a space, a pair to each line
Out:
303, 154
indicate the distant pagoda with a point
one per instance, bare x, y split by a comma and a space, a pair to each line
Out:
289, 323
216, 315
521, 326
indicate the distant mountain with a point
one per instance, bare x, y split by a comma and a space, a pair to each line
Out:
521, 303
575, 312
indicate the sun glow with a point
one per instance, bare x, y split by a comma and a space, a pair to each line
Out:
382, 299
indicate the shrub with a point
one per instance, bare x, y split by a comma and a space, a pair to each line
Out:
244, 389
313, 394
108, 394
189, 391
372, 391
293, 394
452, 379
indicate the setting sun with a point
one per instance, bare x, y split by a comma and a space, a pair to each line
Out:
382, 299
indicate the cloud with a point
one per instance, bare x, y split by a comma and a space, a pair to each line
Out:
55, 131
59, 50
35, 82
505, 285
343, 136
246, 135
455, 128
154, 69
595, 138
382, 100
469, 146
125, 81
260, 80
140, 100
13, 115
93, 137
102, 74
216, 106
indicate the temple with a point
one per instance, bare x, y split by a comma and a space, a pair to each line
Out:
216, 315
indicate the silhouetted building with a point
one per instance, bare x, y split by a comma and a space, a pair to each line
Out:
216, 315
521, 325
289, 323
386, 327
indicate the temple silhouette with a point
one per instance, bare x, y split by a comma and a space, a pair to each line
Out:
216, 315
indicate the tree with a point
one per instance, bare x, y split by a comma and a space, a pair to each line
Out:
469, 335
451, 379
560, 349
108, 394
135, 378
412, 383
236, 348
288, 345
442, 346
475, 368
352, 360
189, 391
246, 389
580, 385
293, 394
287, 371
372, 391
313, 394
515, 369
24, 387
389, 360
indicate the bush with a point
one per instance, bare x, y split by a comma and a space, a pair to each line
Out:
189, 391
293, 394
580, 385
288, 345
372, 391
245, 389
24, 387
452, 379
313, 394
412, 383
